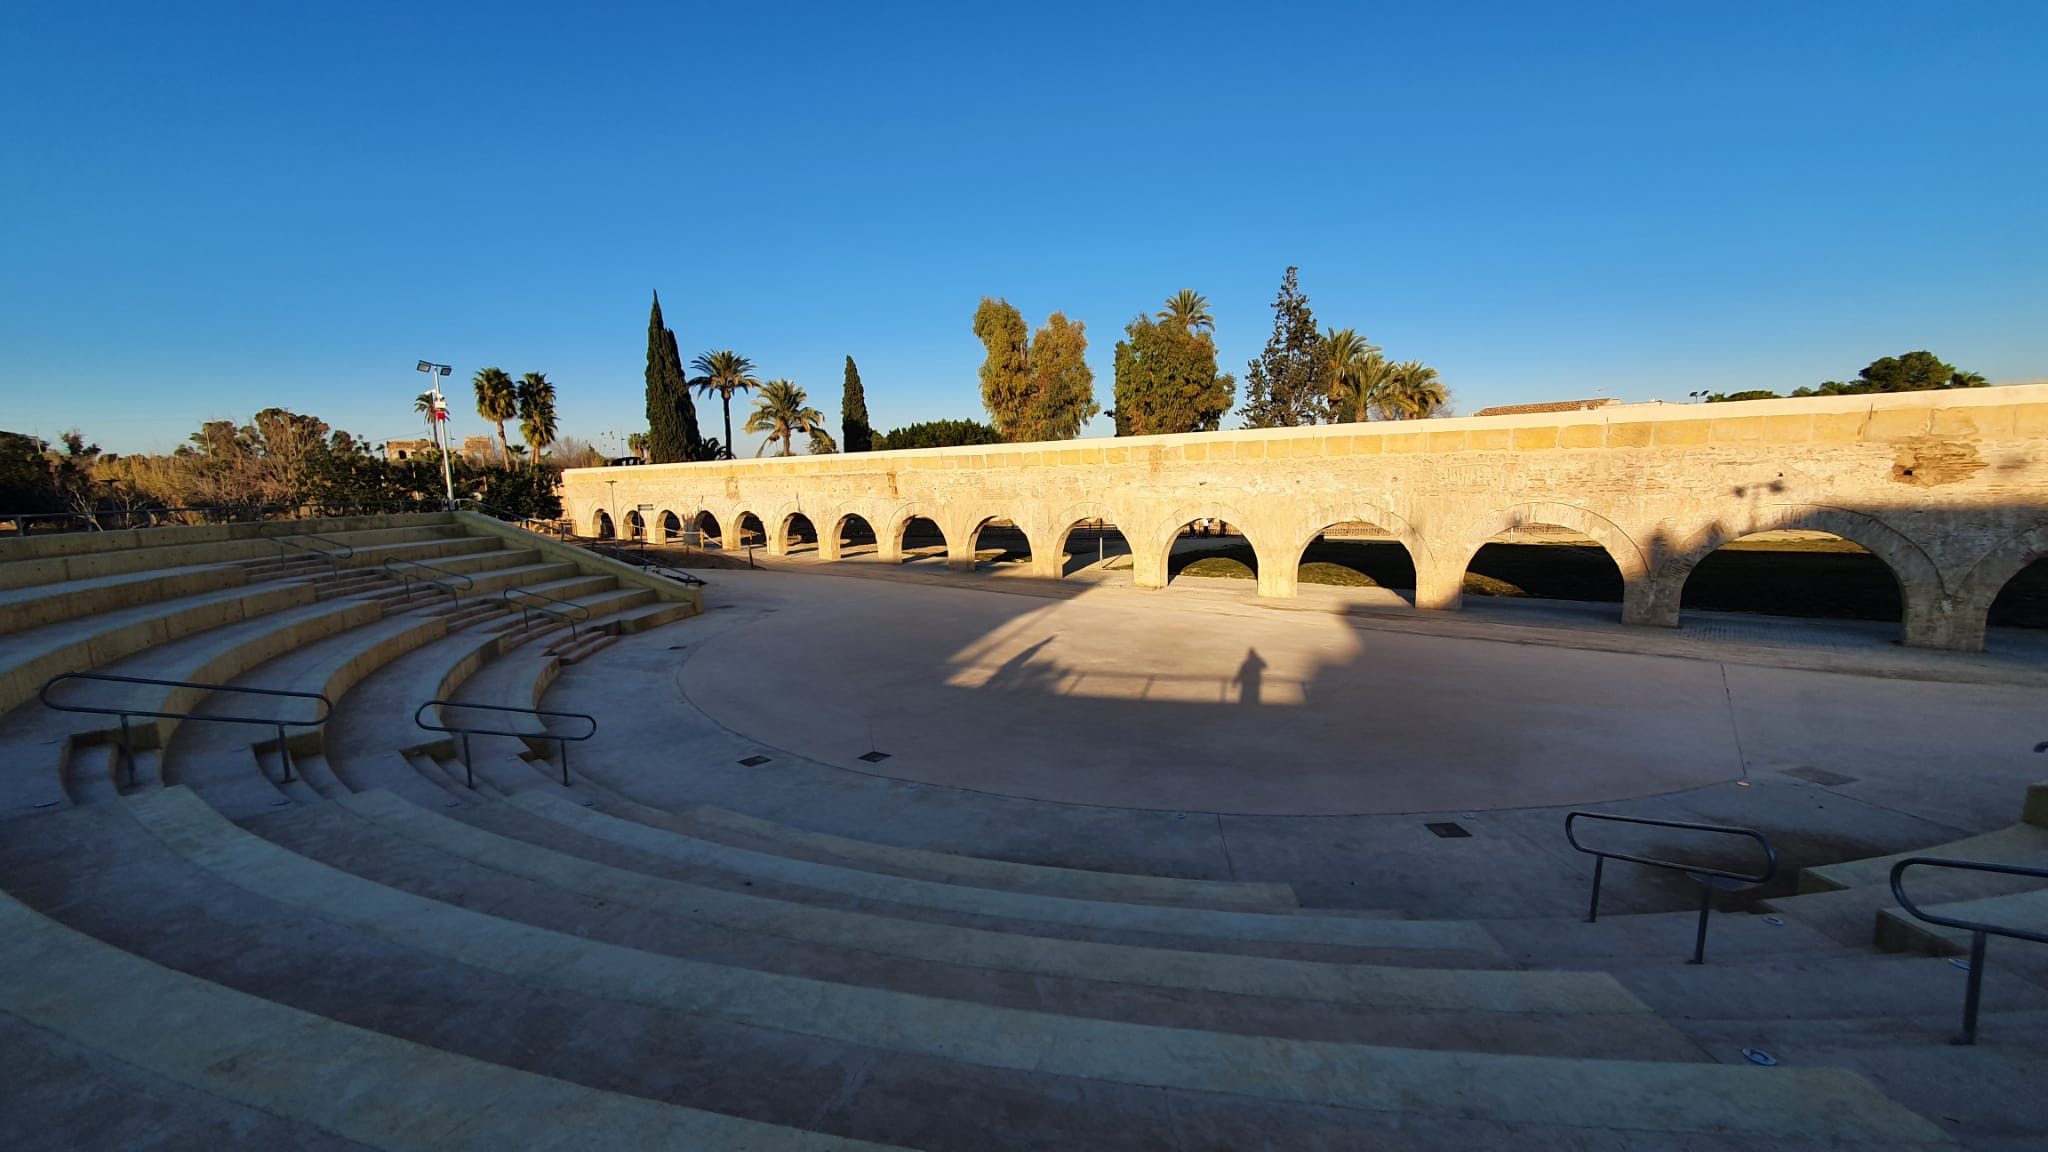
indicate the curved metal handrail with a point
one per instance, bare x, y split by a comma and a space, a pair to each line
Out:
332, 553
1704, 874
468, 765
547, 527
320, 718
569, 613
1978, 930
453, 583
637, 558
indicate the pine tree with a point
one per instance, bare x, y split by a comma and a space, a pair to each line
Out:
671, 414
856, 435
1284, 386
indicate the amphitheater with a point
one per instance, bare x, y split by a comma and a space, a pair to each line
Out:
431, 831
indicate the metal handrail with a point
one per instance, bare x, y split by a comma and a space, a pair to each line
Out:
128, 748
1978, 930
569, 613
468, 765
547, 527
1703, 874
334, 552
637, 557
398, 569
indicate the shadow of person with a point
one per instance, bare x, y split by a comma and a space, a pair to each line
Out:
1017, 673
1249, 675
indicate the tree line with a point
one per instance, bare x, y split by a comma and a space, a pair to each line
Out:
1920, 371
279, 459
1036, 384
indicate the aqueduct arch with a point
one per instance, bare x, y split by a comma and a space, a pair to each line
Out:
1949, 488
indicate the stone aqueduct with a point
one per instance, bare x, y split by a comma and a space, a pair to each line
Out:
1950, 489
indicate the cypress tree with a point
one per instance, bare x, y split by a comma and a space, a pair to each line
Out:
671, 414
856, 435
1284, 387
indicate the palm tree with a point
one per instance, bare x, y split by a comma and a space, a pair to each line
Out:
1353, 370
497, 400
424, 405
1190, 310
1414, 392
536, 412
725, 373
782, 410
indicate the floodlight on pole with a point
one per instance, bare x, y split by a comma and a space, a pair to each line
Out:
437, 373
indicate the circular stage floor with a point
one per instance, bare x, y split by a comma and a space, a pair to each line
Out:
1187, 703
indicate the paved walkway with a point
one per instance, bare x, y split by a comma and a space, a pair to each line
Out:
1109, 728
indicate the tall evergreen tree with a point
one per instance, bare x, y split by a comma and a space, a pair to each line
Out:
856, 433
1036, 387
1006, 372
1284, 386
672, 433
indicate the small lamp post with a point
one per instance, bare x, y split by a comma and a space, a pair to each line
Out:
435, 374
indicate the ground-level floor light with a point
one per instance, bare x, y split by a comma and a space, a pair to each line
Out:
437, 373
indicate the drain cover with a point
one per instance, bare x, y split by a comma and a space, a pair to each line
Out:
1759, 1056
754, 761
874, 757
1449, 830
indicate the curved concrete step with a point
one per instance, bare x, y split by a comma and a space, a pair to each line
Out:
376, 1090
91, 555
744, 830
1679, 1100
1022, 906
36, 605
1402, 989
2025, 844
94, 641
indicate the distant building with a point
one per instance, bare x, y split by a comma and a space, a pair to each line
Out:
479, 449
396, 450
1553, 406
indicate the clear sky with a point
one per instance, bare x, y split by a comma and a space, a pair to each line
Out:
208, 209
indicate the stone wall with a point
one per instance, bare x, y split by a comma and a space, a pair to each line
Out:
1948, 488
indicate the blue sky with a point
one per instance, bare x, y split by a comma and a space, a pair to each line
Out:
210, 209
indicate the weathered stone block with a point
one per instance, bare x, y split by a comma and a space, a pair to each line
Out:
1680, 433
1582, 436
1537, 439
1489, 439
1629, 434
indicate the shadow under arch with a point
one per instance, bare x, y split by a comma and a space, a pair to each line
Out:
636, 525
897, 533
847, 530
2005, 587
1212, 546
710, 534
1914, 579
1097, 529
985, 531
748, 529
1356, 543
670, 524
1553, 551
794, 529
601, 526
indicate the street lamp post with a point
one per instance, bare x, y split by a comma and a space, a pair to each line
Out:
612, 491
435, 374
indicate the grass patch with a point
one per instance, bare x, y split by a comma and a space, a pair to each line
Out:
1480, 585
1324, 572
1226, 567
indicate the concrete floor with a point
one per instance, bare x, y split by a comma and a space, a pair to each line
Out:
1093, 726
